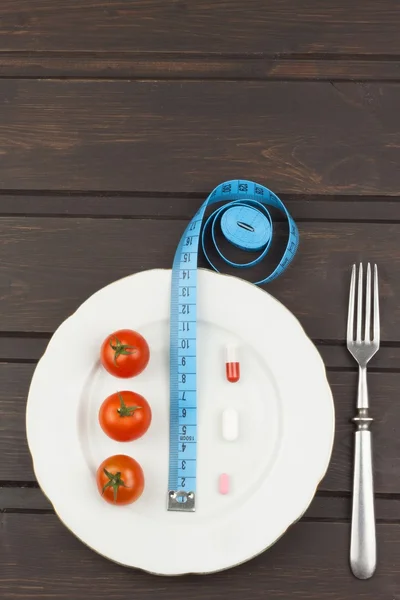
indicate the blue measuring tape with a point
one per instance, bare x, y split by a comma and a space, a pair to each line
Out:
246, 223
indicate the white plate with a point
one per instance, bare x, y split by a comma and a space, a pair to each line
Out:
286, 425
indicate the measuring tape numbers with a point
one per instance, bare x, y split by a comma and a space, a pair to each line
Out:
244, 221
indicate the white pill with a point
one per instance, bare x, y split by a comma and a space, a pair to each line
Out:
230, 424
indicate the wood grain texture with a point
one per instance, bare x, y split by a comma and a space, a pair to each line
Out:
274, 27
16, 464
51, 265
41, 558
205, 66
188, 136
117, 119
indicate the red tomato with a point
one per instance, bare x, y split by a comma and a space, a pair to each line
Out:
125, 353
125, 416
120, 479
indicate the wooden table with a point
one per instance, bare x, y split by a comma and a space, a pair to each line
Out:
117, 118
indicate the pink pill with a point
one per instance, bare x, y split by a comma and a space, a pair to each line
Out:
223, 486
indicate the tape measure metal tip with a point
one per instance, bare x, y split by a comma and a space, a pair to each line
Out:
181, 501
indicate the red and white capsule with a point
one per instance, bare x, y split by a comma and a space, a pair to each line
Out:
232, 363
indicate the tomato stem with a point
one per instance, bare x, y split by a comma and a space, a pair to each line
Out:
115, 482
124, 410
121, 349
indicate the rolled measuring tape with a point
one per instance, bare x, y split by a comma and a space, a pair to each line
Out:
244, 221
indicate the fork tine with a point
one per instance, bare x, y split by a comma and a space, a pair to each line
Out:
367, 336
359, 302
350, 315
377, 327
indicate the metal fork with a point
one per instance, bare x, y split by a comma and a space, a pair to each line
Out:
363, 347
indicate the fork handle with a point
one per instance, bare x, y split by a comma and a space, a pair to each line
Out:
363, 537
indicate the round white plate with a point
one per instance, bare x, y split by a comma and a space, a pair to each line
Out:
286, 420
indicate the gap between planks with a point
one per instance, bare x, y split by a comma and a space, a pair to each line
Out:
198, 66
325, 507
157, 206
17, 347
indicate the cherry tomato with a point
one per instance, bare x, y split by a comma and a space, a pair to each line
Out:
120, 479
125, 416
125, 353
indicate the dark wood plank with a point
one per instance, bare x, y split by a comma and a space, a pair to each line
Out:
377, 209
188, 136
338, 357
330, 508
51, 265
205, 66
16, 464
274, 27
324, 507
21, 348
383, 388
25, 499
41, 558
